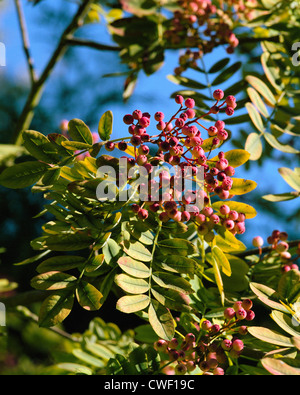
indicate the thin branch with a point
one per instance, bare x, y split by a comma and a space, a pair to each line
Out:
37, 89
25, 41
91, 44
256, 251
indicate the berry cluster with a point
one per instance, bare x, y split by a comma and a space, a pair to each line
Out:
211, 346
280, 245
201, 24
180, 144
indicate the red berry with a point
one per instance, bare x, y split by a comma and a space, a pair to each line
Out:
218, 94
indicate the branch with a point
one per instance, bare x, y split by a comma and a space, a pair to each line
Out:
91, 44
37, 88
25, 40
257, 251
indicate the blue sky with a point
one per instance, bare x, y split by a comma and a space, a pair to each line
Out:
152, 93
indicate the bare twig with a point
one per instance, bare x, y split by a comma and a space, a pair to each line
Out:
91, 44
25, 41
37, 88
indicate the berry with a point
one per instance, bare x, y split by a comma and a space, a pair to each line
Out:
229, 313
122, 146
180, 369
250, 315
128, 119
247, 304
218, 94
226, 344
257, 241
143, 214
229, 111
190, 103
241, 314
237, 345
206, 325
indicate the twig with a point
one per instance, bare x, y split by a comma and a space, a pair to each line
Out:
25, 40
256, 251
36, 90
91, 44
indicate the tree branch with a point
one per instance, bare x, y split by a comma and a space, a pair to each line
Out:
37, 88
25, 40
91, 44
256, 251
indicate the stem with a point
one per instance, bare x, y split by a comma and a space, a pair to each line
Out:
25, 41
152, 254
37, 88
256, 251
89, 43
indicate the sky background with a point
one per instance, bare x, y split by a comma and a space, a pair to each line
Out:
152, 93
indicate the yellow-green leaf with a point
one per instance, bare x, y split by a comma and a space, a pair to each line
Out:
241, 186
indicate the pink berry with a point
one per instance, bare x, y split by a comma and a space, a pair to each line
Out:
241, 314
144, 122
190, 103
159, 116
206, 325
257, 241
128, 119
218, 94
229, 111
143, 214
250, 315
247, 304
179, 99
226, 344
224, 209
218, 371
212, 131
237, 345
230, 101
229, 313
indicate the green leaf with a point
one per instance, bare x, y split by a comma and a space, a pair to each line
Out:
228, 242
132, 285
171, 281
291, 177
161, 321
285, 322
175, 246
79, 131
244, 208
281, 197
268, 296
171, 299
221, 260
180, 80
137, 251
56, 308
88, 358
241, 186
237, 157
133, 267
270, 336
262, 88
278, 367
254, 146
255, 117
74, 368
226, 74
75, 145
272, 140
63, 242
219, 280
53, 280
23, 174
88, 296
132, 303
177, 264
218, 66
39, 146
257, 102
105, 126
